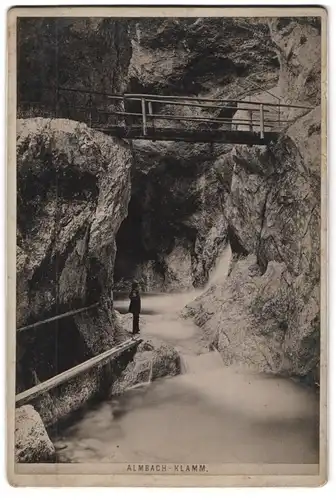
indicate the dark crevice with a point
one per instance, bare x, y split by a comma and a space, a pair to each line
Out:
48, 350
235, 244
131, 249
261, 257
93, 285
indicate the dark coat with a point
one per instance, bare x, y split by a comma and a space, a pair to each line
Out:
135, 305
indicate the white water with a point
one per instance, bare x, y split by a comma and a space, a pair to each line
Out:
210, 413
221, 268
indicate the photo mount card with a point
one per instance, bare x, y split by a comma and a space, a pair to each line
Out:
167, 203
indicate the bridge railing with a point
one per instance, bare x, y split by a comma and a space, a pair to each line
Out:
253, 116
150, 112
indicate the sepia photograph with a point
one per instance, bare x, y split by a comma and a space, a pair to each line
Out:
167, 202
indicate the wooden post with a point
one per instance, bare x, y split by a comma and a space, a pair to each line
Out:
150, 112
123, 109
150, 109
261, 121
144, 121
90, 111
250, 115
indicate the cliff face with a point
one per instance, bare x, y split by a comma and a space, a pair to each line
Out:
76, 53
200, 55
176, 225
73, 193
298, 46
267, 313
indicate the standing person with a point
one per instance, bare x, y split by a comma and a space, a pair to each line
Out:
135, 306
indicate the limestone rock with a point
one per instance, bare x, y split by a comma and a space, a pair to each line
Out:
261, 320
90, 172
177, 204
298, 45
153, 360
273, 206
73, 193
32, 443
200, 55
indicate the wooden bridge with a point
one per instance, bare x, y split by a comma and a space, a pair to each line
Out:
169, 118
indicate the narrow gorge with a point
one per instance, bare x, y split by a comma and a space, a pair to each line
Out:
222, 238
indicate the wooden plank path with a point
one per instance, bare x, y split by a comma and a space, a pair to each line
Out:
201, 136
99, 360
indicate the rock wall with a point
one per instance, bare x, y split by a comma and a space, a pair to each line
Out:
200, 56
74, 53
298, 46
175, 227
185, 198
73, 193
266, 313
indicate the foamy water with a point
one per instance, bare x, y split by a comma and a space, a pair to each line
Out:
209, 414
221, 268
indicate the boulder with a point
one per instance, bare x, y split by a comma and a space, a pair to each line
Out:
32, 443
153, 360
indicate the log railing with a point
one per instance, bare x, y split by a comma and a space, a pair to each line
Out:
64, 377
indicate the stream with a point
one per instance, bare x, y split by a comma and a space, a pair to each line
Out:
209, 414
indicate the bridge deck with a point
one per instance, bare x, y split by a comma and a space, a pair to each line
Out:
178, 134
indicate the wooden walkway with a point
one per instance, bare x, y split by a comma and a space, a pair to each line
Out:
203, 136
170, 118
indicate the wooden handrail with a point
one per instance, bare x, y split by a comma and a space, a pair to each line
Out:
94, 92
180, 117
56, 318
61, 378
154, 97
260, 114
194, 105
198, 118
261, 121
